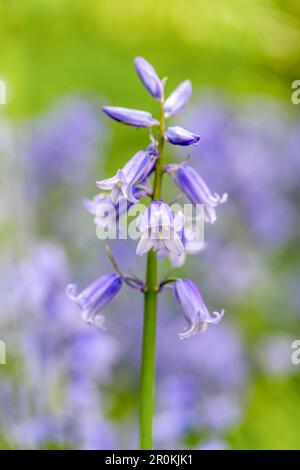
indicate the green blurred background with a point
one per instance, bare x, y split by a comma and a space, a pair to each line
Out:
50, 48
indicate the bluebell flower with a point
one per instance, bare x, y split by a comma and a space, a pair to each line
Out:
179, 136
193, 307
95, 297
177, 101
149, 77
136, 170
195, 188
131, 117
190, 243
108, 214
159, 228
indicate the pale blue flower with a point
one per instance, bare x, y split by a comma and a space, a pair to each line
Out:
135, 171
195, 188
159, 229
95, 297
191, 302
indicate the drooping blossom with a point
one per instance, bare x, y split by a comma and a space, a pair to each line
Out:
195, 188
191, 302
122, 184
95, 297
159, 229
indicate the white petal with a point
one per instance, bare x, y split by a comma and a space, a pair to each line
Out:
108, 184
216, 318
144, 245
179, 220
174, 244
177, 260
210, 215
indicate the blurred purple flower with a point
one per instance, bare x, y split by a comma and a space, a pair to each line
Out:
61, 143
273, 353
214, 444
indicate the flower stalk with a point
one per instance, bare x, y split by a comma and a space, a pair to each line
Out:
147, 378
163, 232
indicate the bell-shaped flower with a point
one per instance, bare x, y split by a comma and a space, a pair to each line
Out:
195, 188
179, 136
177, 101
108, 214
159, 229
131, 117
122, 184
149, 78
95, 297
191, 241
191, 245
191, 302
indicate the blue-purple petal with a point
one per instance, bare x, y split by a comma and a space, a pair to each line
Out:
131, 117
95, 297
177, 101
179, 136
191, 302
149, 78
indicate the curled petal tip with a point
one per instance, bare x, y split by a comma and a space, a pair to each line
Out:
95, 297
217, 317
224, 198
71, 291
191, 302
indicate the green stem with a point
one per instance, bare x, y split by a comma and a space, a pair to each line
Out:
147, 384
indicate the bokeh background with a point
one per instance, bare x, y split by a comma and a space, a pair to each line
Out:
66, 385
